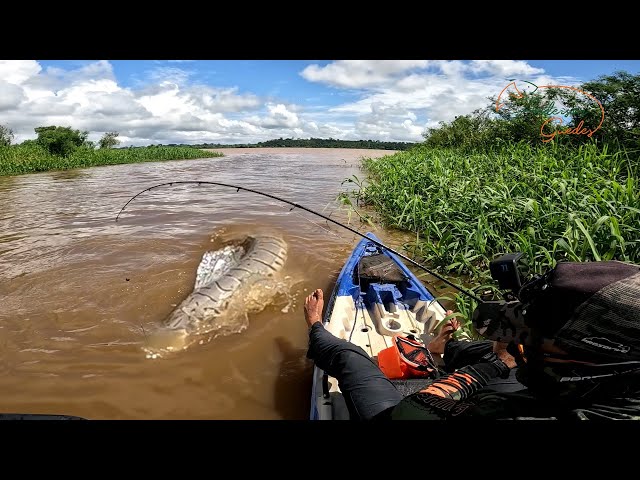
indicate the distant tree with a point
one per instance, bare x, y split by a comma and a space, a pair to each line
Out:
109, 140
60, 140
6, 136
323, 143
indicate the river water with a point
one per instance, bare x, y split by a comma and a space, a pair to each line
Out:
80, 290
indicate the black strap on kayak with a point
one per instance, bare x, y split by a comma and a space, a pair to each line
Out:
301, 207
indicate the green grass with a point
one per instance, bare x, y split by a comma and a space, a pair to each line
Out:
551, 203
19, 159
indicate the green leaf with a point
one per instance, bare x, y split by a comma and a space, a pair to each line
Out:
578, 222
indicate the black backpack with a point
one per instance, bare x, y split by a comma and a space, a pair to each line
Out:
590, 309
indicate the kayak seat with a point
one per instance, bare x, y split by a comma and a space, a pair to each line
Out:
379, 268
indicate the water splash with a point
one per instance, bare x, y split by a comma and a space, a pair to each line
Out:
249, 298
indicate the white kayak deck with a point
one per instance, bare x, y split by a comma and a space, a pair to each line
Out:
373, 328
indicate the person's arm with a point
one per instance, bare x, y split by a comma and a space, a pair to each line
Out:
448, 396
458, 354
467, 380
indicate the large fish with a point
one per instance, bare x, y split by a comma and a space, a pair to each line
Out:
229, 283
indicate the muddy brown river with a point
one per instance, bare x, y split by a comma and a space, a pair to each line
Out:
79, 291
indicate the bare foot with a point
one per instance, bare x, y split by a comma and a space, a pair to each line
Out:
313, 306
446, 332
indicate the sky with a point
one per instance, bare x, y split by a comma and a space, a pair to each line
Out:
247, 101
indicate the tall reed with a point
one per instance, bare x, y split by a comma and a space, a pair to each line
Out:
551, 203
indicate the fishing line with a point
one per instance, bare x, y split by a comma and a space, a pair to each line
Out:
301, 207
316, 224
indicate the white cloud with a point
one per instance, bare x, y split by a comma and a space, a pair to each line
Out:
388, 122
168, 75
360, 73
279, 116
216, 100
169, 108
400, 104
11, 95
17, 71
392, 100
504, 67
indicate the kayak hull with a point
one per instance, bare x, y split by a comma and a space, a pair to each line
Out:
375, 298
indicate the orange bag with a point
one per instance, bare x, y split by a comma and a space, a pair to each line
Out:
406, 358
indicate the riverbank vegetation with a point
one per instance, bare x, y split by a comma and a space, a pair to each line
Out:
316, 143
62, 148
486, 184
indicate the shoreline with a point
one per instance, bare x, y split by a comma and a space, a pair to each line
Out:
297, 150
17, 160
20, 160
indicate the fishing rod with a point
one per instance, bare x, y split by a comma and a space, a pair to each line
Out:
302, 207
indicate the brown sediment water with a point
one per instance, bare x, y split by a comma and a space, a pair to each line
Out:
79, 291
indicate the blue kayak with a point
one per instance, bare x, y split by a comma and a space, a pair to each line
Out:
376, 297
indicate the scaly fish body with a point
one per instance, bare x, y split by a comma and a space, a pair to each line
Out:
223, 279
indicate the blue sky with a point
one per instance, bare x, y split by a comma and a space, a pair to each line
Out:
241, 101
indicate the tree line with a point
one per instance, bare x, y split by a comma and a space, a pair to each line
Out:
315, 143
64, 140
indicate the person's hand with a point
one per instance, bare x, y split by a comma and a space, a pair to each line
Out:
500, 349
436, 345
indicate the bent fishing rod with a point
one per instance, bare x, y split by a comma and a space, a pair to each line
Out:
302, 207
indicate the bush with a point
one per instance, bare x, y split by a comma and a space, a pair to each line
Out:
60, 140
